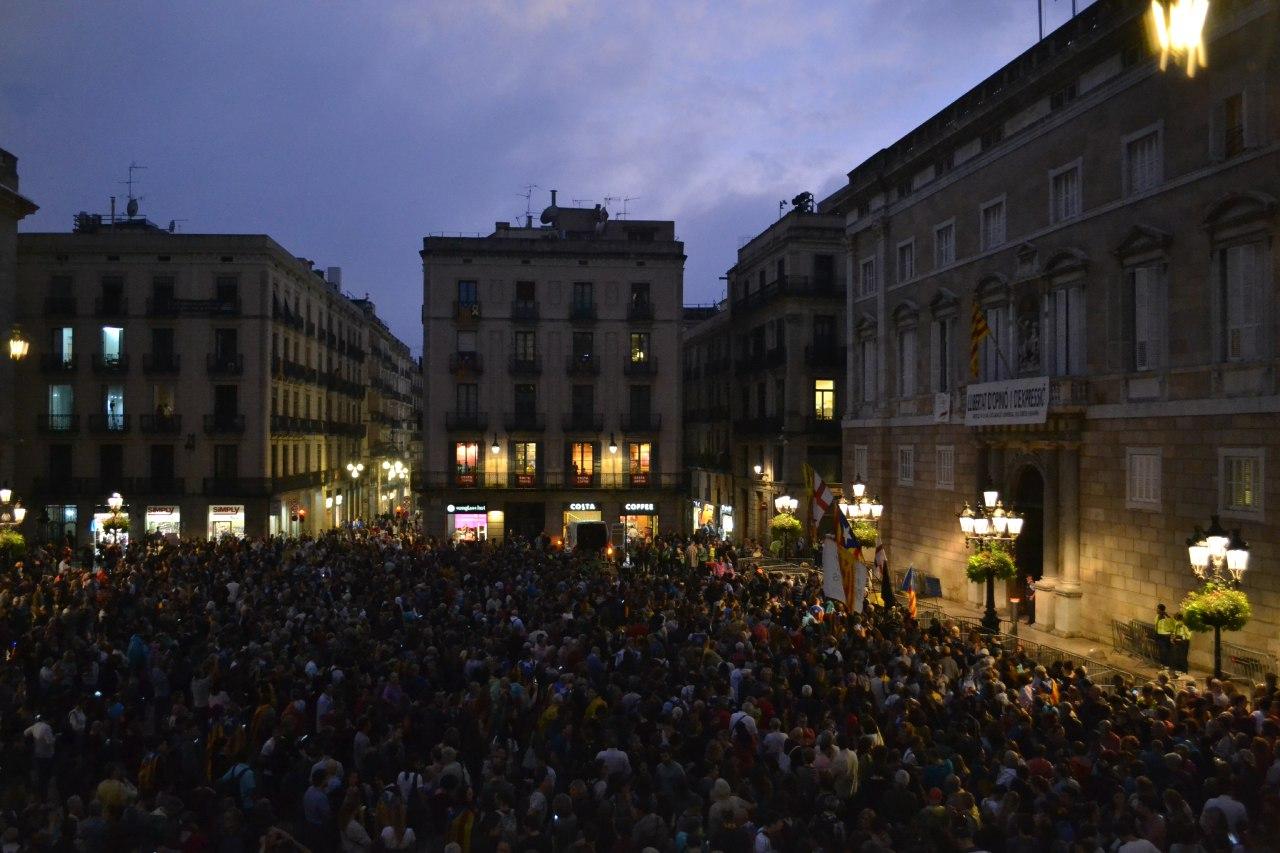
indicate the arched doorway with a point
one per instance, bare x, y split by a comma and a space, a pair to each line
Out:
1028, 502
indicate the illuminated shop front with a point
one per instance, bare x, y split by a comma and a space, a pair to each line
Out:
468, 522
580, 511
639, 519
165, 520
226, 520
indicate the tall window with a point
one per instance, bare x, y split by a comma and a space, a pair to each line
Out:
945, 466
226, 344
112, 344
868, 358
639, 294
466, 342
906, 465
641, 402
467, 397
992, 222
63, 344
1240, 481
940, 355
867, 276
907, 362
61, 406
583, 401
525, 345
1242, 274
1064, 193
111, 465
113, 403
638, 459
467, 293
1066, 318
524, 457
583, 294
466, 460
824, 399
639, 347
993, 355
1148, 316
906, 260
526, 399
226, 289
226, 461
1142, 478
1232, 126
582, 462
944, 244
1142, 162
824, 331
525, 291
583, 346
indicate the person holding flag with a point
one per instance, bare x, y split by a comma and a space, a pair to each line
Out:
909, 587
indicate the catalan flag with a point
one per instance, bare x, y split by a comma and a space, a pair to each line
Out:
909, 587
848, 552
977, 333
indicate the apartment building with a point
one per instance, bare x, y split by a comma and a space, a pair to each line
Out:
214, 380
13, 208
1115, 226
393, 376
552, 377
763, 375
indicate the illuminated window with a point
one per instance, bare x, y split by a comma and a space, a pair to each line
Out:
824, 399
112, 344
467, 456
639, 347
582, 456
640, 457
525, 457
1240, 475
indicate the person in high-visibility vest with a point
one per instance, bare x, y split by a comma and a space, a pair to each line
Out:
1164, 633
1180, 644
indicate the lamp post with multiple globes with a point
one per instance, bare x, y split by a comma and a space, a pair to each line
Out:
12, 514
786, 505
991, 525
1222, 559
862, 507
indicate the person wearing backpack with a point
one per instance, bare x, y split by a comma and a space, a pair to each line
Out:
239, 782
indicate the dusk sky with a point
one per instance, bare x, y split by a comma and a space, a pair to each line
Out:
348, 131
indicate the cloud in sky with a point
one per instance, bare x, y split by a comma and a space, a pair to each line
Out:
349, 131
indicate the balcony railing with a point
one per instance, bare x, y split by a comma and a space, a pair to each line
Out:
647, 367
821, 424
55, 362
162, 306
640, 310
225, 363
582, 479
1068, 391
524, 311
224, 424
517, 480
154, 486
59, 306
160, 424
466, 362
466, 312
582, 312
525, 365
583, 364
828, 354
236, 486
641, 422
65, 424
111, 306
476, 421
110, 365
789, 285
524, 421
583, 422
758, 426
101, 422
158, 363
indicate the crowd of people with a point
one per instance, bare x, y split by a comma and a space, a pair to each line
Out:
376, 691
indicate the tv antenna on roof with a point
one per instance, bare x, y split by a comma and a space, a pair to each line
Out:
528, 202
132, 208
625, 202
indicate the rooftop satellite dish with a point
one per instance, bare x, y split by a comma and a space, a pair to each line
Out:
132, 208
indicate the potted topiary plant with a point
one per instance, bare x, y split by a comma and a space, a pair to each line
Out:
786, 527
991, 564
13, 545
865, 532
1219, 607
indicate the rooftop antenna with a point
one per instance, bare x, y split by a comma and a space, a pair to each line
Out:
782, 206
528, 203
173, 225
625, 202
132, 207
581, 202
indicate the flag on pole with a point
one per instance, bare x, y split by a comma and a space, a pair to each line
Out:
978, 331
832, 581
909, 587
822, 498
847, 553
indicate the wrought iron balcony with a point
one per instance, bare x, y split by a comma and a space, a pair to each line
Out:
55, 362
102, 422
646, 367
641, 422
525, 365
111, 306
160, 424
524, 311
640, 310
466, 362
466, 420
64, 424
582, 312
225, 364
224, 424
583, 422
160, 363
583, 364
110, 365
524, 422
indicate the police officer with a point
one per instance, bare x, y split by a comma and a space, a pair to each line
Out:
1164, 634
1180, 640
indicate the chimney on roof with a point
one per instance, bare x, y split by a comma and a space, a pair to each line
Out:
334, 276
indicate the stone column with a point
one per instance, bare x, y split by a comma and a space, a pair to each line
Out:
1046, 586
1068, 591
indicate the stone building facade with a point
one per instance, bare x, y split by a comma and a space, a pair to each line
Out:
1116, 226
393, 411
764, 374
214, 380
13, 208
552, 379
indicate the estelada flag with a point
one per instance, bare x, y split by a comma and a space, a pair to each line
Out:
909, 587
848, 552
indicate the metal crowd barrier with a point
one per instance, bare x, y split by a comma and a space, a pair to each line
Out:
1246, 664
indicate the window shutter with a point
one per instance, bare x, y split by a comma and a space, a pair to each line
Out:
1142, 320
935, 355
1075, 332
1218, 131
1235, 304
1061, 333
1255, 118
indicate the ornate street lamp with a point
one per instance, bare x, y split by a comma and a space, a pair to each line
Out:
862, 507
18, 344
1220, 558
114, 503
12, 514
991, 528
494, 448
